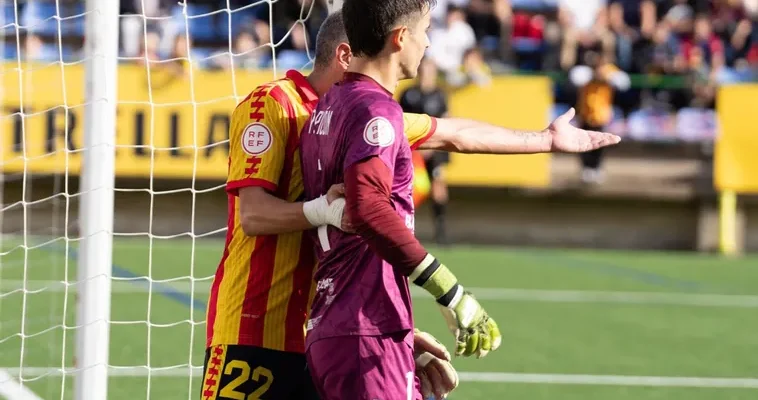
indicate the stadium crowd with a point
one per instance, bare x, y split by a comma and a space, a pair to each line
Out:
677, 52
717, 39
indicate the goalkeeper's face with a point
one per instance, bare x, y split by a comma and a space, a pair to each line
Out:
414, 43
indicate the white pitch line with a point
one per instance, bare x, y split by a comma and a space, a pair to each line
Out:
202, 287
610, 380
493, 377
11, 389
589, 296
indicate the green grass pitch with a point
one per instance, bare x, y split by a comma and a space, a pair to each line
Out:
617, 325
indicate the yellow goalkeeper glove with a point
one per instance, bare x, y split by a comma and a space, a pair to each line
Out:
475, 332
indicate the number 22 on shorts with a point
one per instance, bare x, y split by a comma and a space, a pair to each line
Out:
230, 390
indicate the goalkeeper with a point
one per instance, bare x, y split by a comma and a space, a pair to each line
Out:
263, 286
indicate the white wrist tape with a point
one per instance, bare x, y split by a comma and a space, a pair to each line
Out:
315, 211
319, 212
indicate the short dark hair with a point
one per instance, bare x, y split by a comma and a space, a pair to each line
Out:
368, 22
329, 36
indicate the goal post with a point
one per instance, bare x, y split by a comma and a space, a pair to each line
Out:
96, 206
104, 285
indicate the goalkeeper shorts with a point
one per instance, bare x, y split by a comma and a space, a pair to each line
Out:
250, 372
365, 367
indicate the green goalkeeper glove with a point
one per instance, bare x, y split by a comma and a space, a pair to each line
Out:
475, 332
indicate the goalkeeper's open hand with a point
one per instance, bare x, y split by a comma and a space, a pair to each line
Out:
475, 332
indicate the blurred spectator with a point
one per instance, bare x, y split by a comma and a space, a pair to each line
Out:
701, 81
262, 32
596, 80
631, 21
312, 22
489, 19
303, 18
743, 39
476, 68
663, 7
439, 12
135, 14
725, 15
450, 42
504, 13
149, 47
664, 53
525, 41
743, 43
54, 30
681, 19
427, 98
181, 48
585, 27
248, 53
450, 46
176, 64
293, 54
711, 48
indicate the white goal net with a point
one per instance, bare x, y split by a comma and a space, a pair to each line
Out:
182, 67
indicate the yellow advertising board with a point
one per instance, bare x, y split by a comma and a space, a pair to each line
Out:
515, 102
735, 162
168, 126
173, 126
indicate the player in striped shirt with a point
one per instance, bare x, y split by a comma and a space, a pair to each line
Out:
263, 286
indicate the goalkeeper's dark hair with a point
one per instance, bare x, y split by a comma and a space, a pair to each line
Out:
369, 22
329, 36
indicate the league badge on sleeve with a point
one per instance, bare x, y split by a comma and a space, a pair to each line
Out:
256, 139
379, 132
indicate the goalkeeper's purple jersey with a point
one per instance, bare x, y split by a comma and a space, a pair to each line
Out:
357, 292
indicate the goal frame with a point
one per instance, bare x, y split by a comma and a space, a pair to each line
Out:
96, 206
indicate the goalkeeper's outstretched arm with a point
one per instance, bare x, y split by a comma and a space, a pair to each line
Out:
368, 187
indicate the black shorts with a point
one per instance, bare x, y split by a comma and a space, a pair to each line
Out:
435, 162
249, 372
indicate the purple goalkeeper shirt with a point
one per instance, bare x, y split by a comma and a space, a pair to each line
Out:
357, 292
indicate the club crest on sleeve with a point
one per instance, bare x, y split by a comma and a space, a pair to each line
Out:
379, 132
256, 139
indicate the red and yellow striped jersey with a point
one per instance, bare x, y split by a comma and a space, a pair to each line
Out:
263, 285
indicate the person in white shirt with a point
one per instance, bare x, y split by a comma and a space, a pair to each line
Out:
450, 43
585, 27
454, 50
439, 12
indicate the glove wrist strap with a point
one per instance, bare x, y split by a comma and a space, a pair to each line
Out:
437, 279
